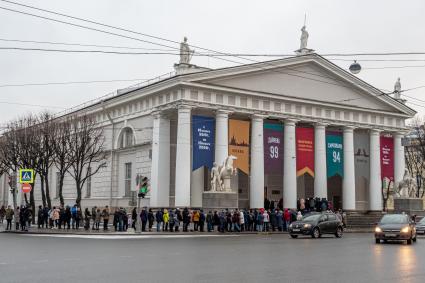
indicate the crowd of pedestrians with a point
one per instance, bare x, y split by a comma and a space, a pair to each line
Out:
273, 217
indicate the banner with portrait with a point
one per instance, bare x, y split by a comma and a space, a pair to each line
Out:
273, 148
239, 143
305, 151
203, 129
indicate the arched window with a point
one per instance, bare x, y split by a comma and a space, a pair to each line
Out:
126, 138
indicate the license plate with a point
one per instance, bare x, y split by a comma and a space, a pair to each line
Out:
296, 230
390, 235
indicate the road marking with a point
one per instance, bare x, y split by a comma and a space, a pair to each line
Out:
125, 237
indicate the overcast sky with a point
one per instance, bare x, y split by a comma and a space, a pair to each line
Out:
271, 27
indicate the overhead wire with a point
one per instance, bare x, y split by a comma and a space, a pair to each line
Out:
69, 82
215, 56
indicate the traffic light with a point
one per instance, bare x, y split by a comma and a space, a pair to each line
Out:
143, 188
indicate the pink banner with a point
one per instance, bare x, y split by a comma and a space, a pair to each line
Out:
387, 157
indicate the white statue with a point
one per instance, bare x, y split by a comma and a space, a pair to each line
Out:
304, 38
407, 186
185, 52
215, 178
397, 89
226, 172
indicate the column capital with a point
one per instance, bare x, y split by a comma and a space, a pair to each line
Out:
258, 117
320, 124
223, 112
157, 113
375, 131
290, 122
348, 129
184, 107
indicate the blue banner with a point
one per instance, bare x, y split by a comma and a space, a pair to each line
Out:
334, 157
203, 129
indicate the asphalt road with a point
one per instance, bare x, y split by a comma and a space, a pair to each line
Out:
246, 258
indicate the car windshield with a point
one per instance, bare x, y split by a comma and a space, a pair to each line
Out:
394, 219
311, 217
422, 221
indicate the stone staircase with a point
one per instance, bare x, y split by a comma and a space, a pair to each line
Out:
362, 220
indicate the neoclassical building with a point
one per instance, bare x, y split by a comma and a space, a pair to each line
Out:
300, 127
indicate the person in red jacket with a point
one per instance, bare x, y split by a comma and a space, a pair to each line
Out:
287, 217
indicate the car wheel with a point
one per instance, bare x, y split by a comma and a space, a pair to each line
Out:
377, 241
316, 233
294, 236
409, 242
338, 232
415, 238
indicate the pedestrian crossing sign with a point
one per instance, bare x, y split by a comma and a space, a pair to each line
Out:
26, 176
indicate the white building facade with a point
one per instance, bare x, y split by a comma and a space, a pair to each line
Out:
149, 131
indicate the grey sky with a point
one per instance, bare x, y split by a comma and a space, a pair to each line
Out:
230, 26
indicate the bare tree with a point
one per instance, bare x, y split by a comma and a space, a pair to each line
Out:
86, 147
46, 138
415, 154
62, 155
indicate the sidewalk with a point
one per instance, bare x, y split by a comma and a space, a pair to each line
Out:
111, 231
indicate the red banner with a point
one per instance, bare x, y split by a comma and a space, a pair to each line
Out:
387, 158
305, 151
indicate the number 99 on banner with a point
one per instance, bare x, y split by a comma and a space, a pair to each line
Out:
274, 152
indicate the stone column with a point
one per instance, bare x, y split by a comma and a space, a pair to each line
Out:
375, 182
221, 136
320, 177
399, 161
289, 165
160, 171
349, 180
256, 188
183, 157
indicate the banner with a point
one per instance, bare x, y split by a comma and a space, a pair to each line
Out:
334, 154
387, 157
273, 148
305, 151
239, 143
203, 129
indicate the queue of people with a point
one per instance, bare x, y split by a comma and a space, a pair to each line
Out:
273, 218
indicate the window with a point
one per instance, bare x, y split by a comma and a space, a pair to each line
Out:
331, 217
126, 138
58, 176
88, 184
127, 179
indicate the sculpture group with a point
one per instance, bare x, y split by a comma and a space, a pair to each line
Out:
221, 175
406, 188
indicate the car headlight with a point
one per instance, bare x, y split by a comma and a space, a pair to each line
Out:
378, 230
290, 225
405, 230
307, 226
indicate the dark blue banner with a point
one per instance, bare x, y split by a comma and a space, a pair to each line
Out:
203, 129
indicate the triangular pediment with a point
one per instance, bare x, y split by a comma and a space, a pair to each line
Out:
311, 78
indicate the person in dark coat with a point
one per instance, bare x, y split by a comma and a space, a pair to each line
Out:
151, 219
87, 217
216, 220
124, 220
144, 217
273, 220
40, 217
186, 219
115, 220
23, 217
158, 218
210, 219
68, 217
133, 218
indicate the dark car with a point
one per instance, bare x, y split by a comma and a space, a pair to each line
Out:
316, 225
395, 227
420, 227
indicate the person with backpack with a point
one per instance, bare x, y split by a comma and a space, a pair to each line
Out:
171, 220
210, 218
158, 218
40, 217
260, 218
87, 217
151, 218
105, 217
166, 219
186, 219
93, 216
74, 215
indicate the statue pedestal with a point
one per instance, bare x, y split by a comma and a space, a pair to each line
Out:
408, 205
219, 200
